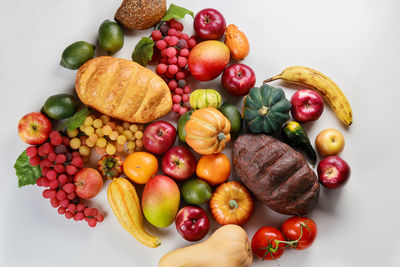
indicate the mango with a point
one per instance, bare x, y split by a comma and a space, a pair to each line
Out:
160, 201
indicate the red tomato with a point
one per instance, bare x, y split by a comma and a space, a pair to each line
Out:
301, 230
264, 243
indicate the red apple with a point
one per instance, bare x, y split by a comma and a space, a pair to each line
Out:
238, 79
307, 105
88, 183
209, 24
208, 59
179, 163
192, 223
159, 136
333, 172
34, 128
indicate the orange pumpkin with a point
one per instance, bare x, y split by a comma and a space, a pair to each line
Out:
207, 131
231, 203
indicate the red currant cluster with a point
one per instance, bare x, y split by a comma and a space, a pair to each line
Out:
59, 165
174, 47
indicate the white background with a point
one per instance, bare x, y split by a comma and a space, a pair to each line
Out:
356, 43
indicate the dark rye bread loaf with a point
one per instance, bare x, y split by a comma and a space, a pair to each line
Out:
276, 174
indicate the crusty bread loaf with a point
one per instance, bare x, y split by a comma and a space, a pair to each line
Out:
123, 90
276, 174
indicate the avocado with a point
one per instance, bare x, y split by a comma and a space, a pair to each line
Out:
60, 106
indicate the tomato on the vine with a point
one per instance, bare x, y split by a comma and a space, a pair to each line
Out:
267, 243
302, 229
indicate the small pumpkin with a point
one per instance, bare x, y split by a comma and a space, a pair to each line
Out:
265, 109
228, 246
202, 98
237, 42
231, 203
207, 131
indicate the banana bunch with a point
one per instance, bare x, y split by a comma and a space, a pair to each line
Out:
321, 84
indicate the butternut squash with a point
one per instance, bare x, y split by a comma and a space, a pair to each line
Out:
123, 90
227, 247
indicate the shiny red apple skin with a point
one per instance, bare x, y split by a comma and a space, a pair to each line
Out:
88, 183
159, 136
208, 59
179, 163
333, 172
209, 24
34, 128
238, 79
192, 223
307, 105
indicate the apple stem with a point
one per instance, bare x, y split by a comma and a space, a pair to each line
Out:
233, 204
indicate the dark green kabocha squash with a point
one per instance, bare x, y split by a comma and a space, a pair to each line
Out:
266, 109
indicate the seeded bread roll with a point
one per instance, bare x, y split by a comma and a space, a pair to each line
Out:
140, 14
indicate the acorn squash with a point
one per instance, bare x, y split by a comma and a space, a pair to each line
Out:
265, 109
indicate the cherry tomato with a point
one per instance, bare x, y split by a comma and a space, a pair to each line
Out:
214, 169
266, 243
300, 229
140, 167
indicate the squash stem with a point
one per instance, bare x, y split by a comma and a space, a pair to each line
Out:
263, 111
233, 204
221, 136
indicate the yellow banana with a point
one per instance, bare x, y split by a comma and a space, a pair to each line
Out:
125, 204
323, 85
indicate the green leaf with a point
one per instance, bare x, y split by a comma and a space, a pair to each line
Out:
176, 12
143, 51
27, 174
76, 120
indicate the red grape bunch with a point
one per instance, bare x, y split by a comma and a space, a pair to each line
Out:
174, 47
59, 165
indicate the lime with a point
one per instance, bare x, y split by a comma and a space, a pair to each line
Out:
233, 115
196, 191
76, 54
181, 125
60, 106
111, 37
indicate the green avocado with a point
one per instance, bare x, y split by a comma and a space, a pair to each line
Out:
181, 125
233, 115
111, 37
60, 106
76, 54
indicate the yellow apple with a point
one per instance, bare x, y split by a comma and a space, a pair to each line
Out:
329, 142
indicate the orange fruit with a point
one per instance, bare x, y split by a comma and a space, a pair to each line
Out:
214, 169
140, 167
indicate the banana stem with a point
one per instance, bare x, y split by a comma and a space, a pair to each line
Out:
276, 77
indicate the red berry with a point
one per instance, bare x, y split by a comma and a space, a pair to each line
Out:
99, 217
31, 151
80, 207
179, 91
53, 184
62, 179
161, 44
173, 41
65, 140
71, 196
47, 148
61, 158
79, 216
182, 44
92, 222
184, 36
176, 99
185, 97
87, 212
55, 138
71, 169
64, 203
47, 193
42, 181
156, 35
180, 75
59, 168
45, 171
61, 210
182, 62
45, 163
172, 60
170, 52
184, 52
72, 207
161, 68
69, 215
169, 75
77, 162
52, 156
172, 84
176, 25
172, 32
187, 90
69, 188
75, 154
34, 161
94, 212
61, 194
54, 202
176, 107
172, 69
191, 43
52, 175
183, 110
